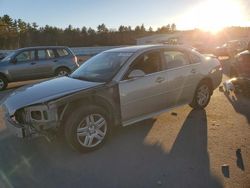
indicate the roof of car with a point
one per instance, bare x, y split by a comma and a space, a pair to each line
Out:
41, 47
133, 49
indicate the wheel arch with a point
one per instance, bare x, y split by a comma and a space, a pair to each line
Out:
3, 75
61, 67
96, 100
208, 80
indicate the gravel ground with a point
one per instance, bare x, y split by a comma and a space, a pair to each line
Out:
181, 148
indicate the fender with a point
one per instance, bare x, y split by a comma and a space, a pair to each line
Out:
106, 96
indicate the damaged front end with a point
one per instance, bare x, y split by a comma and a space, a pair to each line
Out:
32, 111
34, 121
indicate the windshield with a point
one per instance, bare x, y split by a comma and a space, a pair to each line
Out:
8, 57
102, 67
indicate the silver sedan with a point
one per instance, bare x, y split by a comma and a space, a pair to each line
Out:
118, 87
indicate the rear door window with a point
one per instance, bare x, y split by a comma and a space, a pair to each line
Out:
62, 52
175, 59
45, 54
41, 54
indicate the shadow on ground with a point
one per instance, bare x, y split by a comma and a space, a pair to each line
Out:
124, 161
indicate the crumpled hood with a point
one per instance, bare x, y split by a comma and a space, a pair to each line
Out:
44, 91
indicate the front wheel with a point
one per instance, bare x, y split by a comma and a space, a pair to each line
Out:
3, 83
202, 96
87, 128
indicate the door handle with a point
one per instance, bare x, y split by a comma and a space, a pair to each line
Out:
159, 79
33, 63
193, 71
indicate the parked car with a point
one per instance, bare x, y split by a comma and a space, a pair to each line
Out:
241, 64
36, 63
2, 55
240, 73
117, 87
231, 48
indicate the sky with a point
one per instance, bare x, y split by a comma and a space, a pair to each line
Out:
186, 14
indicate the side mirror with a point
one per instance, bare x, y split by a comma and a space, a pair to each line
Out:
136, 74
14, 61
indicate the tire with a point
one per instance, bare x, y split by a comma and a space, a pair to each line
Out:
81, 128
202, 95
3, 83
62, 71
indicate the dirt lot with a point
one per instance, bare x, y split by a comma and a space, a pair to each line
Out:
181, 148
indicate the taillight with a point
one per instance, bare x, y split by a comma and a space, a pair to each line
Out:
75, 59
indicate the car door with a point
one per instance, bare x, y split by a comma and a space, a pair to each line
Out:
143, 95
183, 76
22, 66
46, 59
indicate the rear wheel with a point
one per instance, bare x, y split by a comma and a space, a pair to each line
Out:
87, 128
202, 95
3, 83
62, 72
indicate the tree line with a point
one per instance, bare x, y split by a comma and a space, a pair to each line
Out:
16, 33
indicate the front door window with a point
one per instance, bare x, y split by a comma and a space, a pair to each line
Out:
148, 63
26, 56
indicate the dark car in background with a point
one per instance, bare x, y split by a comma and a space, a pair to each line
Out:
240, 73
36, 63
231, 48
241, 65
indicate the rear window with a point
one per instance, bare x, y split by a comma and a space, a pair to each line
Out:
62, 52
50, 53
175, 59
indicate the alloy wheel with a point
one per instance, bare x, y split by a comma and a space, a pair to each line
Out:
92, 130
62, 73
203, 95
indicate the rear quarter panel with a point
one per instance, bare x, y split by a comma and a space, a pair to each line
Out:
66, 61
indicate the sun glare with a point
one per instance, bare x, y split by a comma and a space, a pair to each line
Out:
214, 15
